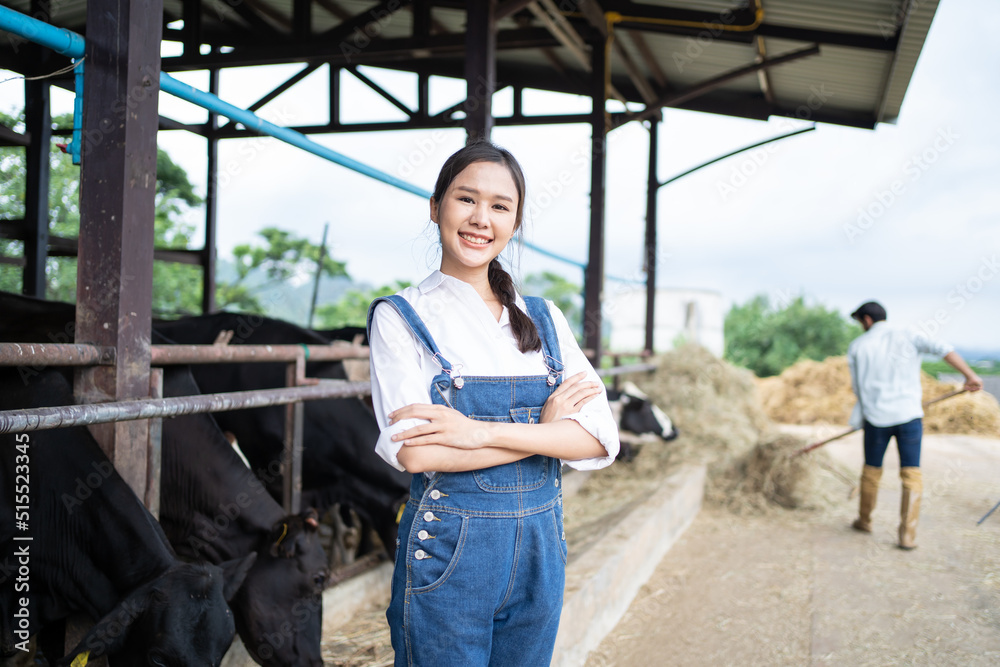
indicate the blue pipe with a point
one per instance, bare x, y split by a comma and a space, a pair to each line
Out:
72, 44
252, 121
59, 40
76, 143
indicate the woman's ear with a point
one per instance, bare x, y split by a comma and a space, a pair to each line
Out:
434, 211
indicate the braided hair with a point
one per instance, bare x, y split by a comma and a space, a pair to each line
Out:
500, 281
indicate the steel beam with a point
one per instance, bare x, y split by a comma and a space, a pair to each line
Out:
594, 277
400, 50
652, 187
192, 35
9, 137
278, 90
209, 256
38, 124
302, 19
480, 68
118, 185
680, 97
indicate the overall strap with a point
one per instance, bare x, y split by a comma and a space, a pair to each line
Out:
539, 313
419, 330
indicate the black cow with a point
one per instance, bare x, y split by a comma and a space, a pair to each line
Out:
339, 463
95, 550
340, 466
358, 335
637, 414
213, 507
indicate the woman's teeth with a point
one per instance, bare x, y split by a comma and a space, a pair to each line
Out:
474, 239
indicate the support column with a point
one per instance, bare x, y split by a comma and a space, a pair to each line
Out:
594, 279
38, 124
480, 68
652, 187
117, 188
209, 253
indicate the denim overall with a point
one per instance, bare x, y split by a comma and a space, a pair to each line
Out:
481, 555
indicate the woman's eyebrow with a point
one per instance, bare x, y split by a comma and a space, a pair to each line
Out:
466, 188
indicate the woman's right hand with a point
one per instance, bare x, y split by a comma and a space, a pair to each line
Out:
568, 398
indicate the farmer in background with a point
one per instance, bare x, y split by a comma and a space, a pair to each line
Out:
885, 375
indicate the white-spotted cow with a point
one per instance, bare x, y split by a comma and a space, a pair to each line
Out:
636, 413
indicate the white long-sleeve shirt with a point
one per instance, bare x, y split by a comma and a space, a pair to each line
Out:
470, 337
885, 374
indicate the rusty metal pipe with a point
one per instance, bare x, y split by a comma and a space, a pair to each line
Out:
38, 419
619, 370
55, 354
210, 354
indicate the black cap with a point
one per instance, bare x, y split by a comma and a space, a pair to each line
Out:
872, 309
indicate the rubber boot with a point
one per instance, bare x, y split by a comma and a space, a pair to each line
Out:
870, 477
909, 507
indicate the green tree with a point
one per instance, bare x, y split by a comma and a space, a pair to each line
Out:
172, 283
352, 308
282, 257
563, 293
768, 339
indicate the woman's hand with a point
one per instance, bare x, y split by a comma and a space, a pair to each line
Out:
446, 426
568, 398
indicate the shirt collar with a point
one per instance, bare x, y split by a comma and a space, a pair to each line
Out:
436, 278
429, 283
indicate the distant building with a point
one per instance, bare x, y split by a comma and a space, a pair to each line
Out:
691, 315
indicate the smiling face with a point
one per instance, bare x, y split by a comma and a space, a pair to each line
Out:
477, 216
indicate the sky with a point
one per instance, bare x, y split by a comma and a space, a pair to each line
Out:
907, 214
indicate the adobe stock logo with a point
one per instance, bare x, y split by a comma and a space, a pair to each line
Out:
912, 169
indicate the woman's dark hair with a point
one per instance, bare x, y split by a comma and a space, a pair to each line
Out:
500, 281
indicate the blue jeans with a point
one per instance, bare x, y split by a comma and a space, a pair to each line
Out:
480, 568
908, 437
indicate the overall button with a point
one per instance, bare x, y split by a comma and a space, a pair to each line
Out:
429, 516
420, 554
557, 481
423, 535
563, 536
435, 494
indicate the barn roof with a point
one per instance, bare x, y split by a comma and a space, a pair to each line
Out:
846, 62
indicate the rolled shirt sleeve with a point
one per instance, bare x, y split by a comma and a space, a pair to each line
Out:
397, 378
928, 345
596, 415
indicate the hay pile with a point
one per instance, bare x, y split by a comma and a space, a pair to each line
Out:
819, 392
975, 413
809, 392
716, 408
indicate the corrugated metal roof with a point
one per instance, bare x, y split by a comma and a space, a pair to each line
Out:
868, 49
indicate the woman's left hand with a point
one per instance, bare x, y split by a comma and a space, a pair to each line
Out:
446, 426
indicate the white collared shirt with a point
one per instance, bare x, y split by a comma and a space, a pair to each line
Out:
885, 374
470, 337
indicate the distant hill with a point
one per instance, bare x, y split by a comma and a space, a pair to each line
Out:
979, 354
286, 301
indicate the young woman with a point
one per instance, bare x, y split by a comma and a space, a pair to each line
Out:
482, 395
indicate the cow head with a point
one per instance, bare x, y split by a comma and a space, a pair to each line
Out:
280, 605
179, 618
636, 413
